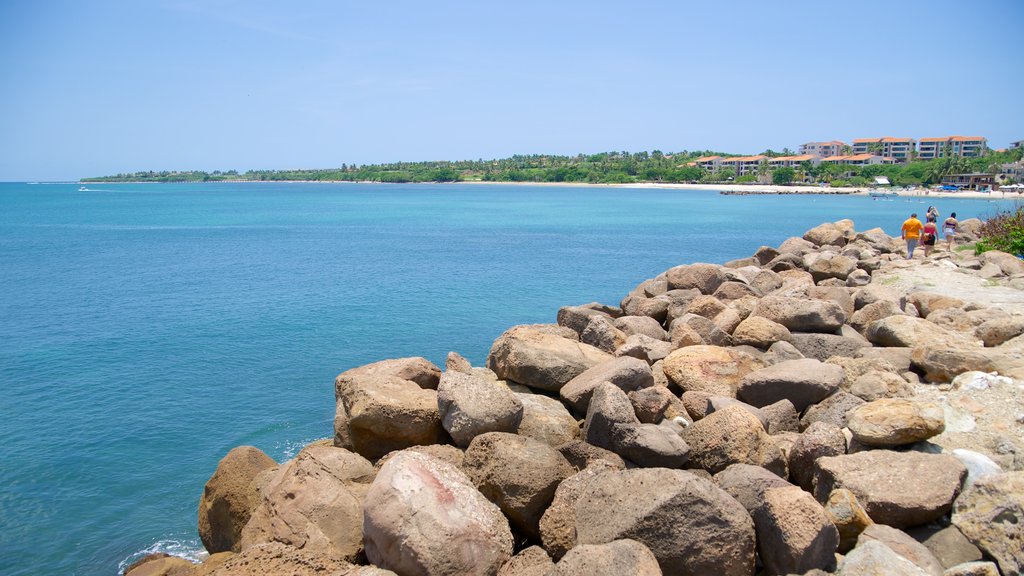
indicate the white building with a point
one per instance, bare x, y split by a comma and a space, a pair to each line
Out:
962, 146
822, 149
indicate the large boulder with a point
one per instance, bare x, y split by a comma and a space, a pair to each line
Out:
801, 314
611, 423
645, 325
991, 514
558, 524
424, 517
626, 372
617, 558
645, 348
824, 346
895, 422
531, 561
709, 369
314, 502
827, 234
602, 334
848, 515
901, 543
910, 331
546, 419
794, 535
889, 484
274, 559
873, 558
803, 382
387, 406
832, 266
748, 483
518, 474
942, 363
998, 330
1007, 263
760, 332
833, 410
692, 527
229, 498
470, 406
819, 440
704, 277
877, 310
540, 358
732, 436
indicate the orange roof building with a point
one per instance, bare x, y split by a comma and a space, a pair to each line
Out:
961, 146
899, 149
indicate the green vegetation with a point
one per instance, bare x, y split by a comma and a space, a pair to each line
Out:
1003, 232
602, 168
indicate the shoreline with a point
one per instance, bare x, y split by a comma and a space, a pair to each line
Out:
727, 189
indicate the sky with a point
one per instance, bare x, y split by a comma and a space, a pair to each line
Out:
99, 87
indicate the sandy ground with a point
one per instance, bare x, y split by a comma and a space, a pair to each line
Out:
940, 276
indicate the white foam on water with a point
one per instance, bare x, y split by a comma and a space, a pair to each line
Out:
289, 448
191, 550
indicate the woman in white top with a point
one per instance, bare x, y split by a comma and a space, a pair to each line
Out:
949, 230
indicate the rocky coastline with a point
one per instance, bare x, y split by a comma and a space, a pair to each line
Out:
793, 412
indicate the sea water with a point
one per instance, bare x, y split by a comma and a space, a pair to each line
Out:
146, 329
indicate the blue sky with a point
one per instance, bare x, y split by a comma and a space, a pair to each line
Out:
99, 87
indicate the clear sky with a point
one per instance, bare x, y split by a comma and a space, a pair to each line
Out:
99, 87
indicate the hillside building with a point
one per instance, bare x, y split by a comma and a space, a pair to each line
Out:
823, 149
899, 149
859, 160
958, 146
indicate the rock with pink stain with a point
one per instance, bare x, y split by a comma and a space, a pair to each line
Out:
423, 516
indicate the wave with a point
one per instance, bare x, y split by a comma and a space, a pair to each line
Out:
190, 549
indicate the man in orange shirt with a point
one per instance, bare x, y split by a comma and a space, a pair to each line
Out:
911, 232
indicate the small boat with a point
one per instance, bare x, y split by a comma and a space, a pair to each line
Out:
83, 189
882, 194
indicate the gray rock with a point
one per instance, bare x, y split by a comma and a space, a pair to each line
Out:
876, 559
802, 382
820, 439
948, 545
641, 325
546, 419
973, 569
470, 406
801, 315
780, 352
991, 514
782, 417
645, 348
832, 410
747, 484
626, 372
541, 359
824, 346
794, 535
901, 543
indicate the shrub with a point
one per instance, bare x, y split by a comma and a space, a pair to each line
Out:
1003, 232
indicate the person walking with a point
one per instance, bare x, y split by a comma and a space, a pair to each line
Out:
911, 233
949, 230
931, 234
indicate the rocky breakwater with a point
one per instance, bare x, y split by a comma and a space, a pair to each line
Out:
779, 414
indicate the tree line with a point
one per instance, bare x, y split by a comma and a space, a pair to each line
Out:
601, 168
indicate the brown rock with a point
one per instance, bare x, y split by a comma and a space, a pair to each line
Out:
794, 534
872, 312
801, 315
617, 558
653, 404
802, 382
876, 384
876, 559
455, 362
996, 331
444, 452
832, 266
889, 484
942, 363
160, 564
696, 403
470, 406
532, 561
602, 334
708, 368
558, 524
782, 417
582, 455
540, 359
230, 497
833, 410
910, 332
1007, 263
895, 422
748, 483
928, 302
820, 439
704, 277
518, 474
626, 372
848, 516
947, 544
645, 348
760, 332
991, 514
645, 325
901, 543
731, 436
824, 346
546, 420
423, 516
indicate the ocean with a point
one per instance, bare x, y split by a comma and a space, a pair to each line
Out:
149, 328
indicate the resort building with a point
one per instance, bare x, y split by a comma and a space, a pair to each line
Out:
961, 146
1017, 144
709, 163
974, 181
899, 149
743, 165
793, 161
823, 149
859, 160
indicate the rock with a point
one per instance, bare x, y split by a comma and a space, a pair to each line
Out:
716, 403
540, 359
276, 559
558, 524
602, 334
858, 278
759, 332
995, 332
617, 558
696, 403
794, 534
159, 564
948, 545
862, 318
824, 346
877, 239
820, 439
706, 306
889, 484
731, 436
827, 234
727, 320
801, 315
387, 406
802, 382
532, 561
973, 569
423, 516
608, 406
708, 368
798, 246
928, 302
653, 404
943, 363
645, 348
898, 358
1007, 263
874, 293
612, 424
782, 417
470, 406
848, 516
626, 372
747, 484
780, 352
730, 291
576, 318
991, 515
229, 498
691, 526
978, 465
704, 277
832, 266
876, 559
314, 502
656, 308
518, 474
901, 543
910, 332
645, 325
708, 331
876, 384
455, 362
546, 420
989, 271
765, 254
583, 455
833, 410
444, 452
895, 422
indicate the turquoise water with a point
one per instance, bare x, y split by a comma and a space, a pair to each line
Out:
147, 329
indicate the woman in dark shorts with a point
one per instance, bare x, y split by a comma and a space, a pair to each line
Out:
930, 233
